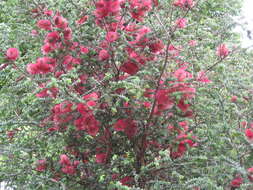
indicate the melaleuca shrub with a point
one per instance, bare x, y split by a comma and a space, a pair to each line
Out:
114, 93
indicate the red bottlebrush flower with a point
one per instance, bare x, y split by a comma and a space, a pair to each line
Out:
67, 34
156, 3
64, 160
249, 134
46, 48
43, 93
128, 126
147, 104
115, 176
174, 51
111, 36
91, 103
48, 92
10, 134
103, 55
233, 99
107, 7
184, 3
52, 38
41, 165
43, 65
126, 181
93, 129
34, 33
101, 158
64, 107
129, 67
222, 50
201, 77
181, 149
82, 20
120, 125
12, 54
44, 24
76, 163
48, 12
84, 50
149, 93
250, 176
81, 108
157, 46
93, 96
236, 182
181, 22
192, 43
181, 74
140, 8
250, 170
131, 129
244, 124
67, 60
69, 169
163, 102
137, 57
182, 105
60, 22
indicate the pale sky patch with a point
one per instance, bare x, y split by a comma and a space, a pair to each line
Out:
246, 23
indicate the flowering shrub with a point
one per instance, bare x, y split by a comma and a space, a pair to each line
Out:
117, 99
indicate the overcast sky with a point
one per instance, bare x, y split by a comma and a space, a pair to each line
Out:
247, 23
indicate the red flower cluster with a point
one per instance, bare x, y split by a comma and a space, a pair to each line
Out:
236, 182
140, 8
128, 126
41, 165
222, 50
184, 3
43, 65
67, 166
12, 54
183, 139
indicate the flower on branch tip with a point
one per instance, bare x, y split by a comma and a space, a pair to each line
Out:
128, 126
82, 20
69, 169
236, 182
43, 65
181, 22
41, 165
192, 43
103, 55
201, 77
222, 51
64, 160
105, 8
60, 22
184, 3
249, 134
111, 36
12, 54
233, 99
84, 50
10, 134
44, 24
156, 46
129, 67
101, 158
127, 180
